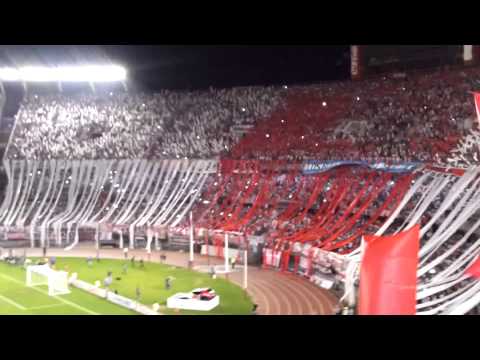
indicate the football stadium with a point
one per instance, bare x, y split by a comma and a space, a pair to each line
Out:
355, 196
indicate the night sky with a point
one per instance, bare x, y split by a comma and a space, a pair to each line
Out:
199, 67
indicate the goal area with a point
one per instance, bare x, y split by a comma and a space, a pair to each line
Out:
57, 281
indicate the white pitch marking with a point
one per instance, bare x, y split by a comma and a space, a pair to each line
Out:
11, 302
44, 306
46, 293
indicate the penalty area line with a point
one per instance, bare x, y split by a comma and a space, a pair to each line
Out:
11, 302
65, 301
45, 306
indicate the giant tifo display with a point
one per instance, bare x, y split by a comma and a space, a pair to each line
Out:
308, 180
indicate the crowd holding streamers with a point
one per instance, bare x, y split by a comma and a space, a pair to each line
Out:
293, 208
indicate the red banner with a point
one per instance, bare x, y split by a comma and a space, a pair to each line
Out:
388, 275
477, 104
474, 270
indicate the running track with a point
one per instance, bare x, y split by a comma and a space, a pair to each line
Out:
275, 293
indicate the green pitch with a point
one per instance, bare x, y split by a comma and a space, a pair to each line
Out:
16, 298
151, 281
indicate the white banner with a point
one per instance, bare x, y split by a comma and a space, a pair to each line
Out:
122, 301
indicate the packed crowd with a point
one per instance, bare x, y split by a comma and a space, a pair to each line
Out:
411, 117
122, 125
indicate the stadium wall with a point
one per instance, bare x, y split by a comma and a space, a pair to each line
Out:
379, 59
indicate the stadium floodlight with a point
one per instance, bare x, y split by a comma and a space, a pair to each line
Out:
9, 74
89, 73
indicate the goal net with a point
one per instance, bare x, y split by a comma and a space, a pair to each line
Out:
57, 281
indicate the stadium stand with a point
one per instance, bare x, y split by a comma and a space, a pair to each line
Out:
419, 117
166, 125
85, 161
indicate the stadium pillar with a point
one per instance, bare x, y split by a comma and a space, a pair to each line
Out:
121, 239
157, 243
190, 261
245, 269
208, 246
97, 236
131, 240
225, 252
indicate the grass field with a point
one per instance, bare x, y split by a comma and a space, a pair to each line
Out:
16, 298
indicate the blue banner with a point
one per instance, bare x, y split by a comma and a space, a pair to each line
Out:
317, 166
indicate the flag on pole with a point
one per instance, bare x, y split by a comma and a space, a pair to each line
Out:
388, 274
476, 95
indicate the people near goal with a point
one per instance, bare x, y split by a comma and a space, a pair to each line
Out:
107, 282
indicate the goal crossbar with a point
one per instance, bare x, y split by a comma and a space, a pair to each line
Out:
57, 281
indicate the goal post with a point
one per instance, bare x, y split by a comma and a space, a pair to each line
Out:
57, 281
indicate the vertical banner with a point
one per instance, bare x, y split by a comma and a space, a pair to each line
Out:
477, 105
388, 274
467, 54
356, 62
354, 56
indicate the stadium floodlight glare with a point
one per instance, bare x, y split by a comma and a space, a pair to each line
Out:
89, 73
9, 74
